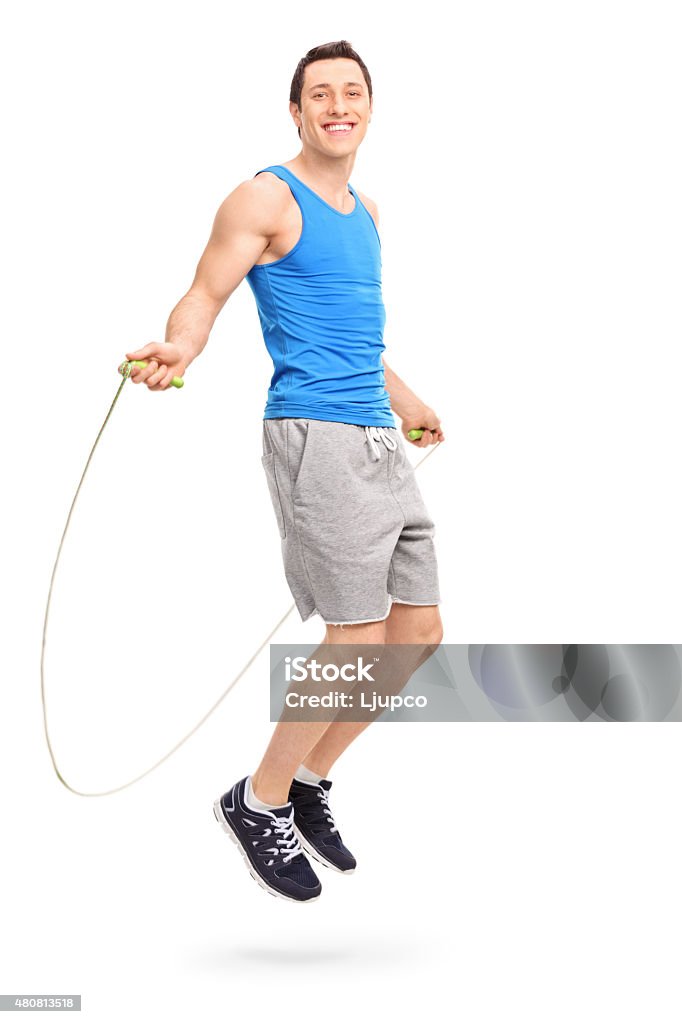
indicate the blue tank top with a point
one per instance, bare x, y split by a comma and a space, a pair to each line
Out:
322, 315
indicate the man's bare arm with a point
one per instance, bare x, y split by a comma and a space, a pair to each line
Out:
414, 413
404, 402
411, 410
241, 231
242, 228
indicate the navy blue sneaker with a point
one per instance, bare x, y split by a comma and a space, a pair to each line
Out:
268, 845
315, 828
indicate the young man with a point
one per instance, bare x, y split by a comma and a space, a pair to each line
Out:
357, 540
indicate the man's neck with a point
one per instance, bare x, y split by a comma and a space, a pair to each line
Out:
329, 177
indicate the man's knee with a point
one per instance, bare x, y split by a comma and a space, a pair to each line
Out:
413, 624
436, 629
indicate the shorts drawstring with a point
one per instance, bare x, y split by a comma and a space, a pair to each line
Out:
379, 433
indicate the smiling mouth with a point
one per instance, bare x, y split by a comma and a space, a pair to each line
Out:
339, 128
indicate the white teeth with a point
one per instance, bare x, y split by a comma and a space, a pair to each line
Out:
338, 128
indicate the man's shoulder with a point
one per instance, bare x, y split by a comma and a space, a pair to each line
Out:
263, 185
258, 201
371, 206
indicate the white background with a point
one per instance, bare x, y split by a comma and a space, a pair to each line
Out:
526, 162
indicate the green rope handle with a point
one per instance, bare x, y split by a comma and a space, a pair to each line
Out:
126, 367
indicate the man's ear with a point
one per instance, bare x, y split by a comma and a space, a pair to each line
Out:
295, 112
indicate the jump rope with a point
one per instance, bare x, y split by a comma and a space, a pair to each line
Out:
125, 370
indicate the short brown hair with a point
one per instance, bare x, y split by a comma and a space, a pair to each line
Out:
327, 51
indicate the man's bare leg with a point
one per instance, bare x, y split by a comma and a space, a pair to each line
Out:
406, 624
292, 742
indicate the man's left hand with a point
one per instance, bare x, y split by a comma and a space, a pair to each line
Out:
424, 419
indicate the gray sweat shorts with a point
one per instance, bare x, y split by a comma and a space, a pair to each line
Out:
355, 532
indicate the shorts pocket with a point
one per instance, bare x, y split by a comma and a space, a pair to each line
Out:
268, 462
299, 440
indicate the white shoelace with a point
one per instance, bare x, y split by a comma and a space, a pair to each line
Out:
327, 811
375, 434
284, 827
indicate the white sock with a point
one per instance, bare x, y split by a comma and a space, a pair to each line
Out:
304, 774
253, 802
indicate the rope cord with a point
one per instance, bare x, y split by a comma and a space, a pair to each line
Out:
125, 369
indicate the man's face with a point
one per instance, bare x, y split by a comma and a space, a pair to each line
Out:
334, 93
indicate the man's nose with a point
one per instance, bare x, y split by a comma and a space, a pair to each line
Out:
337, 105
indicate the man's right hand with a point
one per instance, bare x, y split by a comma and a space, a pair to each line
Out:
164, 361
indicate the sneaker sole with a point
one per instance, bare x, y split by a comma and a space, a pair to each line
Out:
226, 827
312, 852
